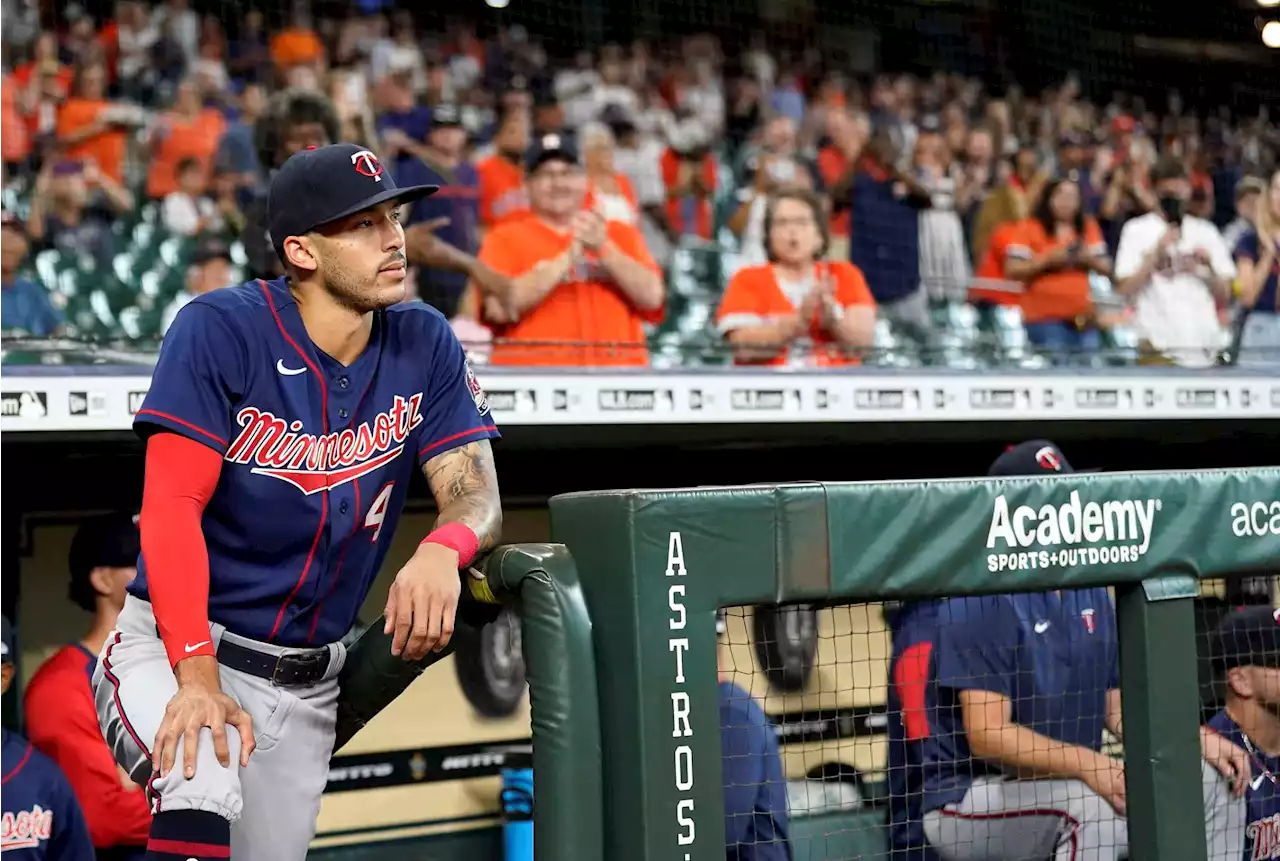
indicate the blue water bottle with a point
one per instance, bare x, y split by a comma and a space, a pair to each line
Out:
517, 807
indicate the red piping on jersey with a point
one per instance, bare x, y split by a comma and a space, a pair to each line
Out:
186, 424
324, 423
26, 755
355, 527
452, 437
115, 696
1066, 817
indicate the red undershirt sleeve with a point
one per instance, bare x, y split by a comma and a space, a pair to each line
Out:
181, 475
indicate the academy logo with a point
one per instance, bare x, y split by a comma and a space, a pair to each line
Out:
314, 463
24, 829
1255, 520
1073, 533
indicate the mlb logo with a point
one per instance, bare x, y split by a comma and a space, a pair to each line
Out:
1090, 620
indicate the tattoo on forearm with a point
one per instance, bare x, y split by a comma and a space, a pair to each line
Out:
465, 485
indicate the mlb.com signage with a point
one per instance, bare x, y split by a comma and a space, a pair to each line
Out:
1072, 533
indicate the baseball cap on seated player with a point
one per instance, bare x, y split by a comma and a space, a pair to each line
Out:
548, 148
1248, 637
1030, 458
319, 186
107, 541
6, 641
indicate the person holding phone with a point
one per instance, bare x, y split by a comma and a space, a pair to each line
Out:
1052, 254
1177, 270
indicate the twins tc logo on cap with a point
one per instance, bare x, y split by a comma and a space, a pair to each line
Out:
367, 164
1048, 458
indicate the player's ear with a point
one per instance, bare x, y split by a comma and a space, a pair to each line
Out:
6, 677
301, 253
1240, 682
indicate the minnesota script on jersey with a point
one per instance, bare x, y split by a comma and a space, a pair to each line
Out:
317, 456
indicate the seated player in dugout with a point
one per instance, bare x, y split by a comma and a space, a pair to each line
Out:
61, 718
582, 286
1020, 689
757, 825
797, 309
42, 819
1246, 656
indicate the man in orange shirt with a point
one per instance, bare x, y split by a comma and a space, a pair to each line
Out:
502, 189
582, 287
61, 718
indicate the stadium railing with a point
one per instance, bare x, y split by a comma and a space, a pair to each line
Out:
641, 574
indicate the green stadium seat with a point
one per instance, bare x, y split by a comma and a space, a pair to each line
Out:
829, 836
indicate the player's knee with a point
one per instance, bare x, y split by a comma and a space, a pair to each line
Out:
214, 788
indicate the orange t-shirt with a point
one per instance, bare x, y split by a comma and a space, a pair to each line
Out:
502, 193
15, 139
625, 190
689, 214
106, 149
197, 139
991, 266
832, 164
295, 47
755, 297
586, 308
1055, 296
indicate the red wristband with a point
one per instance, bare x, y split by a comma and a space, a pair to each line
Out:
456, 536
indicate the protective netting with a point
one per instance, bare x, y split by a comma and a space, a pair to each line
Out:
853, 731
976, 162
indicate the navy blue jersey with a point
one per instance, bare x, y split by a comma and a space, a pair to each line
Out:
457, 200
1262, 797
41, 818
756, 823
317, 456
1055, 656
912, 629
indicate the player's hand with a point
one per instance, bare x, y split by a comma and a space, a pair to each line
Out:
199, 703
1227, 758
1105, 776
423, 602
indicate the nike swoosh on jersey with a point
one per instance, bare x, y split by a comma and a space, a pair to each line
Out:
191, 647
288, 372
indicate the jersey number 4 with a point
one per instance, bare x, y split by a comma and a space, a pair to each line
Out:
378, 510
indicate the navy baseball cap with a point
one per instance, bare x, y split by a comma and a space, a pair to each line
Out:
550, 147
109, 541
446, 114
1248, 637
1031, 458
319, 186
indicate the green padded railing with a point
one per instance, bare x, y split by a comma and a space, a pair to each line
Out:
560, 667
656, 565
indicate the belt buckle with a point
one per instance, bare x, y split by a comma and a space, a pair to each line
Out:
298, 661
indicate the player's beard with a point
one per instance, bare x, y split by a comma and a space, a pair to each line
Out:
361, 294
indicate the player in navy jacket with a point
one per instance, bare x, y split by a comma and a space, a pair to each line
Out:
1020, 689
41, 818
911, 627
1247, 658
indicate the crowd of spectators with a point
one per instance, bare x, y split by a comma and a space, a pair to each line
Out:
901, 193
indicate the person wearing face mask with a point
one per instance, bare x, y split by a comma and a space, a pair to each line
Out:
1177, 271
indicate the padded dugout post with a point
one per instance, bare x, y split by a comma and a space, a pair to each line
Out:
653, 601
560, 667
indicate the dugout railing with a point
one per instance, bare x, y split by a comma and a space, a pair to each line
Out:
645, 572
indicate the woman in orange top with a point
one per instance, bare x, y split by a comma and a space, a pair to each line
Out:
85, 127
188, 130
1052, 254
582, 287
990, 270
797, 309
608, 191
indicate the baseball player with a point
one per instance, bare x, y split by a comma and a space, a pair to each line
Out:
40, 819
911, 630
283, 424
1247, 657
1020, 689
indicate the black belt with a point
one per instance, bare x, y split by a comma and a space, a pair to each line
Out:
287, 669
